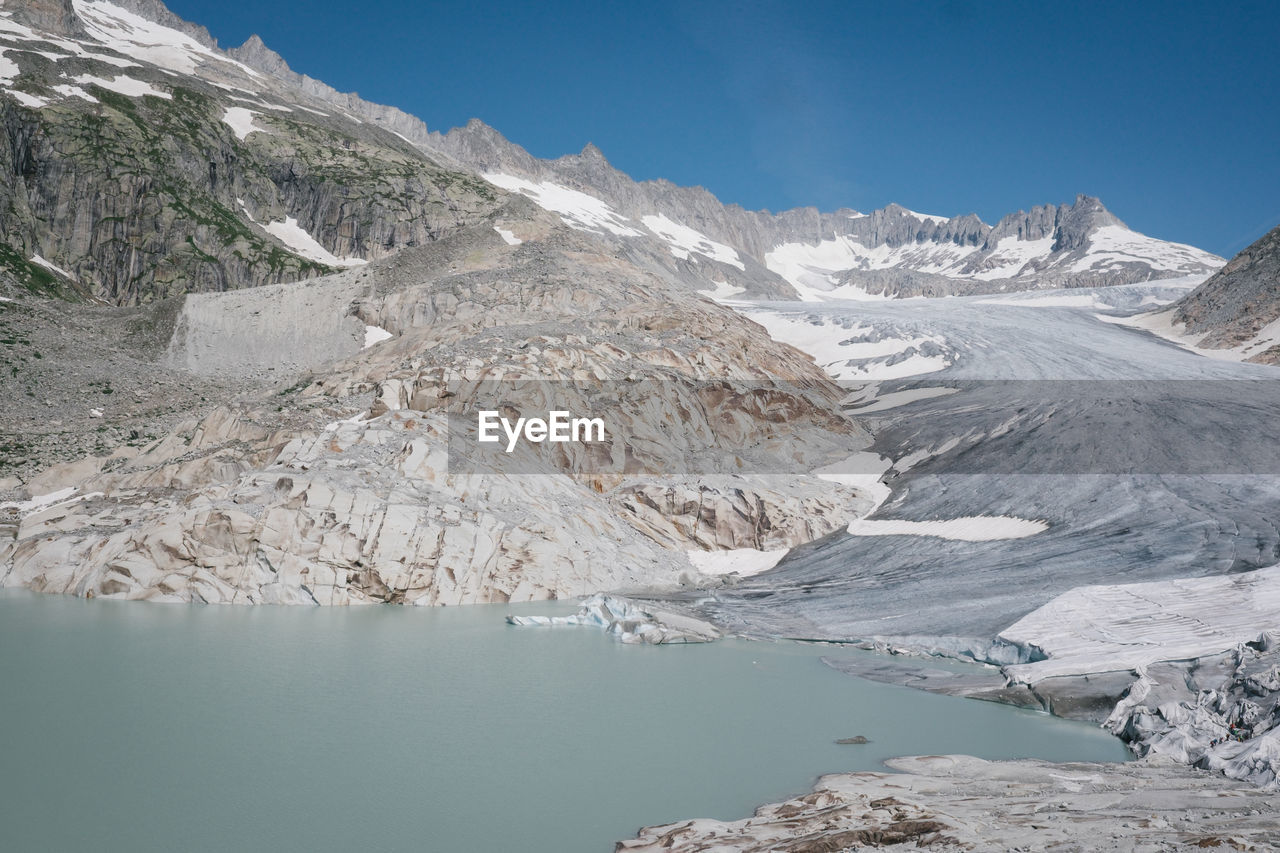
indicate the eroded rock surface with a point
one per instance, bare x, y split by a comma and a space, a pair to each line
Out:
957, 802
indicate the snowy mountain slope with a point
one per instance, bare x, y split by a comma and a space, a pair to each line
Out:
55, 54
845, 254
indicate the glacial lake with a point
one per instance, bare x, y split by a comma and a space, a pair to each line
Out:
128, 726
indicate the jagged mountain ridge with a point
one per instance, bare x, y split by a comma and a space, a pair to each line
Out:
892, 251
684, 232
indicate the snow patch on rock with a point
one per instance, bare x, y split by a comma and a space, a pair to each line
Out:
374, 335
304, 245
741, 561
52, 267
240, 120
508, 237
576, 209
124, 85
684, 240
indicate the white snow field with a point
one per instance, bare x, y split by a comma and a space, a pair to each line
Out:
1112, 245
577, 209
135, 36
1110, 628
814, 269
240, 120
743, 561
304, 245
684, 241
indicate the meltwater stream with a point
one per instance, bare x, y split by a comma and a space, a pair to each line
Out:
128, 726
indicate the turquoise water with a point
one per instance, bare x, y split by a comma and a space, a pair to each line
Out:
139, 727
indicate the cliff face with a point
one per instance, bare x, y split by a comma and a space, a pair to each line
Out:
1234, 307
141, 184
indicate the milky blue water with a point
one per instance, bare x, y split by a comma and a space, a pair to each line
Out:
129, 726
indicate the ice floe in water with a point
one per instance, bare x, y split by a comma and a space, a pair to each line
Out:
629, 623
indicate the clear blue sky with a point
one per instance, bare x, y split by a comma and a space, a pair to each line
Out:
1168, 111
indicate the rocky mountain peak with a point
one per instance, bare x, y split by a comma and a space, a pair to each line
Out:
482, 148
1082, 219
255, 53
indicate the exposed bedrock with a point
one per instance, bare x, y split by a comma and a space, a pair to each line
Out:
955, 802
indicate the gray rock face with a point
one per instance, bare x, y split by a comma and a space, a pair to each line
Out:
1236, 303
53, 16
255, 54
139, 197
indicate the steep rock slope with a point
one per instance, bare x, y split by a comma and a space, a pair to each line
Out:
347, 485
146, 163
1239, 307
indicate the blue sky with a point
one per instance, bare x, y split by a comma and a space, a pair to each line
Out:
1165, 110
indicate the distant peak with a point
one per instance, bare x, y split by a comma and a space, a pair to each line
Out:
255, 53
590, 151
1088, 202
477, 127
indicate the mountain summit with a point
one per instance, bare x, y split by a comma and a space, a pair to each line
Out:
263, 174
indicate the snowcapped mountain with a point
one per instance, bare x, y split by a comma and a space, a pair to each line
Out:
844, 254
266, 185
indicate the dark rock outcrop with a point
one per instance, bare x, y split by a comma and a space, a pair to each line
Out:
1236, 303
